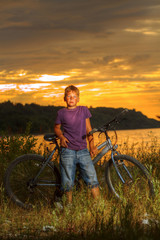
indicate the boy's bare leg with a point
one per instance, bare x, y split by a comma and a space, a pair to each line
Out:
95, 192
69, 196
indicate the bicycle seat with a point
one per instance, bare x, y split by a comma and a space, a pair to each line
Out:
50, 137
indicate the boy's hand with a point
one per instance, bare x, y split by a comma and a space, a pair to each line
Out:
63, 141
93, 151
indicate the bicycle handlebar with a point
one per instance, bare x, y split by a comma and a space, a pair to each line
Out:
106, 126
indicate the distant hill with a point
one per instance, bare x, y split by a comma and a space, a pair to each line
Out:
132, 119
14, 118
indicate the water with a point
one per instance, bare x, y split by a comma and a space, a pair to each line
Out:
139, 135
136, 136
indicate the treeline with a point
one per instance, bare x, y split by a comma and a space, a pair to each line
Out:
15, 117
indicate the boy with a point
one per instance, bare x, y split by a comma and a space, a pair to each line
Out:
76, 126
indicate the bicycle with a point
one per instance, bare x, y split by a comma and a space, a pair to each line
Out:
32, 179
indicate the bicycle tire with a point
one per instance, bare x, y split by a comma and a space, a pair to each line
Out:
140, 187
19, 175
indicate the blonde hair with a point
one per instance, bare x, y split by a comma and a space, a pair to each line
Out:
71, 88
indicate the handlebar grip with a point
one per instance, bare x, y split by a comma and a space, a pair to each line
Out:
93, 131
117, 118
106, 126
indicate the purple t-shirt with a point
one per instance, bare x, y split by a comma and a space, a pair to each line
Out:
73, 122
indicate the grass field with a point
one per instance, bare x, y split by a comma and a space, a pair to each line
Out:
106, 218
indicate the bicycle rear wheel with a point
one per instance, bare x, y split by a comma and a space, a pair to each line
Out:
138, 183
20, 186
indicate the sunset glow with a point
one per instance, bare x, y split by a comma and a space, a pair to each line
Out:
109, 51
50, 78
115, 93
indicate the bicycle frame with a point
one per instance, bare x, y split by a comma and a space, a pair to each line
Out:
106, 145
37, 172
46, 161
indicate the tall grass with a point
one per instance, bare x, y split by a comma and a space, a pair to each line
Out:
106, 218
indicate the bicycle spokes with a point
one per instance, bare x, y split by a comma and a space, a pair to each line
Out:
136, 181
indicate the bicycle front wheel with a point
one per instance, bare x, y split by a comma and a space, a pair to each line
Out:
21, 187
137, 180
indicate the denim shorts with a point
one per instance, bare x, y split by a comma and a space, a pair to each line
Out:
68, 162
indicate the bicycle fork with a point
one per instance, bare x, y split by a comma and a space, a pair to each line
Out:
116, 168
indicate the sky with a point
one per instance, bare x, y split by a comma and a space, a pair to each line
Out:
109, 49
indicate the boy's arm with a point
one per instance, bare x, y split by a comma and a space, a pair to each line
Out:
58, 132
93, 149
